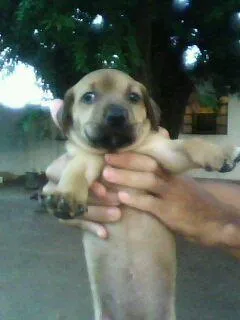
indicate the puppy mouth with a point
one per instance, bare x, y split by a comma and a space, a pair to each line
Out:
103, 136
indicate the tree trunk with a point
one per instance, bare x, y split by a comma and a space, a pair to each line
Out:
143, 27
171, 88
162, 72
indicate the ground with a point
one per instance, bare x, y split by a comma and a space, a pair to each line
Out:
43, 273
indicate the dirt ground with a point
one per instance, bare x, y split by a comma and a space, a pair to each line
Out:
43, 274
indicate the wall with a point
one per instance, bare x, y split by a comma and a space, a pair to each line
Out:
18, 153
233, 137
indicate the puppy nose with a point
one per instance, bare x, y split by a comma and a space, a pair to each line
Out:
116, 115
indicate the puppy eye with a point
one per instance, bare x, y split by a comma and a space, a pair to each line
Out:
89, 97
134, 97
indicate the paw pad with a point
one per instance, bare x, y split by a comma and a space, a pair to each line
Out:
63, 208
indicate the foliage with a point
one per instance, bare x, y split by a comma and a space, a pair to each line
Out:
146, 38
57, 38
35, 122
213, 26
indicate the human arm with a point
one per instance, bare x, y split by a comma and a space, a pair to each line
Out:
203, 212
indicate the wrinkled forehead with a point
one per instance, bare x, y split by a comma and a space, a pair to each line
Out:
107, 82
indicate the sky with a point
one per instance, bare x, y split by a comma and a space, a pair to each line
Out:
21, 87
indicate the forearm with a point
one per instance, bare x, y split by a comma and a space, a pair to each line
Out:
226, 232
226, 192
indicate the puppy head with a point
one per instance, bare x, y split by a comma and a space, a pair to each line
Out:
107, 109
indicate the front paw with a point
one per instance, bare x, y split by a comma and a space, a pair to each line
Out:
232, 157
64, 206
223, 159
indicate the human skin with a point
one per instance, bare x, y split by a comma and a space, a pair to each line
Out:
208, 213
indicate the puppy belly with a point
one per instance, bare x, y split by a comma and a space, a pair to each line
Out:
132, 274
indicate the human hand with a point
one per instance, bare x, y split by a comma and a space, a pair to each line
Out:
103, 204
105, 208
179, 202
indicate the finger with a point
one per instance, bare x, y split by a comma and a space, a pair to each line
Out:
132, 161
147, 181
98, 189
99, 195
93, 227
102, 214
111, 199
155, 206
143, 202
135, 162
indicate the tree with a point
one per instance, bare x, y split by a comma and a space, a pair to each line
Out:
65, 39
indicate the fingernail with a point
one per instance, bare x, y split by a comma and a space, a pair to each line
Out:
101, 192
124, 196
108, 174
101, 232
114, 213
109, 157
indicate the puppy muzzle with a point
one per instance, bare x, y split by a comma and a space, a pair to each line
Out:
116, 116
113, 131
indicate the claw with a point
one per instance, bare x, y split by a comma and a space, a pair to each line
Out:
50, 201
237, 159
62, 215
63, 208
227, 167
63, 205
81, 210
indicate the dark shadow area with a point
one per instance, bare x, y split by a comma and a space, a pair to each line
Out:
43, 273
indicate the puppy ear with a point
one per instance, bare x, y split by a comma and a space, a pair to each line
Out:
56, 109
65, 113
156, 112
153, 110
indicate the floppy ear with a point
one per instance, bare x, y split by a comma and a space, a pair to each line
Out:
61, 111
63, 116
56, 108
153, 110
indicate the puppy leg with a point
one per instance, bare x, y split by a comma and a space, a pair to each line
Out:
211, 156
181, 155
70, 198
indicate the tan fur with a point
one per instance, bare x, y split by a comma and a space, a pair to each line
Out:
132, 274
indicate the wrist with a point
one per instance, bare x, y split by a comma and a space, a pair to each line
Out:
230, 236
224, 229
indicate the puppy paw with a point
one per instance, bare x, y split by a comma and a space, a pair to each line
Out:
232, 157
223, 159
63, 206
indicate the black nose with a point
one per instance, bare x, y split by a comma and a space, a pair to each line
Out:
116, 116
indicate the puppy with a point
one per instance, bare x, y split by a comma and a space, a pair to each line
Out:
132, 275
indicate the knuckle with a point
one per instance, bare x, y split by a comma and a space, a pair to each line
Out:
132, 159
152, 180
153, 165
149, 203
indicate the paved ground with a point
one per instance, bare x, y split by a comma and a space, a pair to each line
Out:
43, 275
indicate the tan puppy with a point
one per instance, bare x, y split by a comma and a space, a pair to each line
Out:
132, 275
